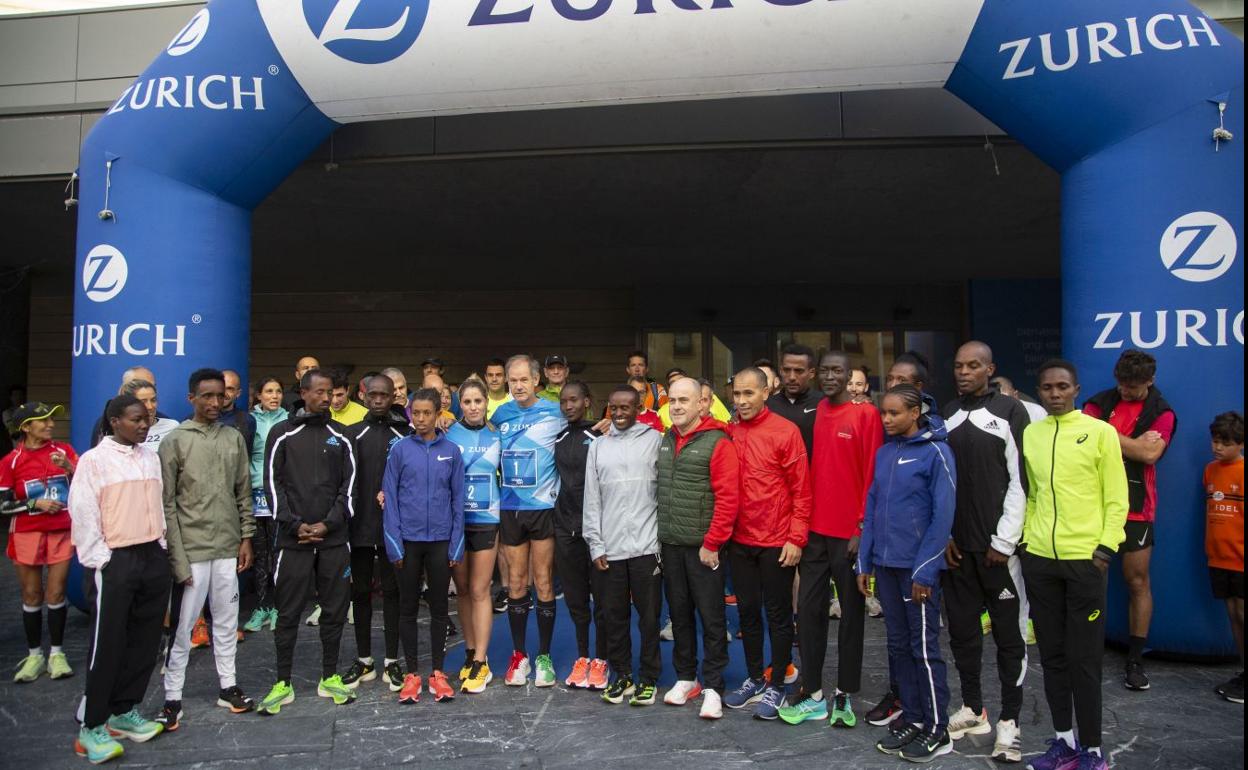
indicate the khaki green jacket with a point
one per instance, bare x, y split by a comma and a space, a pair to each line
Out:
207, 494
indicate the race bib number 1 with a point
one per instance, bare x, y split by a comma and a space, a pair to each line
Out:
519, 468
477, 488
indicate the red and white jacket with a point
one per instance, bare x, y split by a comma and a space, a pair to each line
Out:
115, 501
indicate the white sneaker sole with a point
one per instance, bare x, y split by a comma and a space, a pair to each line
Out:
962, 732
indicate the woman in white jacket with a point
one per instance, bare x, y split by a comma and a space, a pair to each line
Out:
119, 533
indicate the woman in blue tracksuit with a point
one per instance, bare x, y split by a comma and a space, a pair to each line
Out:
909, 515
423, 524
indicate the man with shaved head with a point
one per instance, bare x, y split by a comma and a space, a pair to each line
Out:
291, 401
986, 436
768, 538
699, 495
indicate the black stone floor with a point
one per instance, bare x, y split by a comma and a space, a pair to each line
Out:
1179, 723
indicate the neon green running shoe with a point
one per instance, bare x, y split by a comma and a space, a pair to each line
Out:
643, 695
134, 726
545, 676
97, 745
985, 622
1031, 632
30, 668
257, 620
58, 666
333, 688
808, 708
842, 711
282, 694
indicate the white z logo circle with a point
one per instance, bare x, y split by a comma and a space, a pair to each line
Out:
104, 273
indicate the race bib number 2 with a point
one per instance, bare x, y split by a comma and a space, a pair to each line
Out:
519, 468
477, 489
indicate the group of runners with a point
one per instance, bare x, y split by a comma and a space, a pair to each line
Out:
656, 495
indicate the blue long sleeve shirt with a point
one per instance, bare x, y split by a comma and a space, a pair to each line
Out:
424, 495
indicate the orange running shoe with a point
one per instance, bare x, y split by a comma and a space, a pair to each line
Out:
790, 674
439, 687
411, 689
580, 674
597, 679
199, 635
730, 600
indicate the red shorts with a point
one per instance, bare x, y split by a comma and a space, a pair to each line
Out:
37, 549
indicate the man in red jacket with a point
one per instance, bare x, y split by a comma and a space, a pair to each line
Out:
846, 437
768, 539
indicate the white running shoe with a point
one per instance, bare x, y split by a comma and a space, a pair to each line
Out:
682, 692
712, 705
1008, 747
314, 619
874, 609
666, 634
966, 722
350, 614
834, 610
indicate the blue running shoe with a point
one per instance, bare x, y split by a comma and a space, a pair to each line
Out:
769, 705
750, 691
1058, 757
1089, 760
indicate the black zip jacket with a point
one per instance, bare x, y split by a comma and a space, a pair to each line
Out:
571, 450
371, 440
986, 436
309, 471
800, 412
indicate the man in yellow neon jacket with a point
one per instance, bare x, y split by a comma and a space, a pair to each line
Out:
1076, 512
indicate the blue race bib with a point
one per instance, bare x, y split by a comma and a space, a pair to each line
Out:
519, 468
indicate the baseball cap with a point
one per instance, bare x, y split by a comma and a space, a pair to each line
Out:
433, 361
556, 360
31, 410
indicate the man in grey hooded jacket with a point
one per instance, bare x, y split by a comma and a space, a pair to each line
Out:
621, 529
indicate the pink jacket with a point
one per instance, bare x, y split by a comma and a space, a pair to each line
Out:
115, 501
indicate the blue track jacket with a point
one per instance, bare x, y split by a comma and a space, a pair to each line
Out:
424, 489
910, 505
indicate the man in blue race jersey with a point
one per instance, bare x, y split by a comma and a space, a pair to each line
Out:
528, 427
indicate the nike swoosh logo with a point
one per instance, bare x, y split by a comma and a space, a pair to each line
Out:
808, 411
442, 459
1143, 539
906, 462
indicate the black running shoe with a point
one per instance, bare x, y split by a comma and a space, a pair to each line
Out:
394, 676
500, 601
451, 630
620, 689
888, 709
1134, 677
359, 672
171, 715
1232, 690
233, 699
900, 734
927, 747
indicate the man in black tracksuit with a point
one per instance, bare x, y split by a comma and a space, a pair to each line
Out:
371, 440
309, 472
797, 400
580, 579
986, 436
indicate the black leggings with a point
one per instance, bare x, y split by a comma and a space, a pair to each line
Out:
263, 553
761, 583
430, 562
362, 560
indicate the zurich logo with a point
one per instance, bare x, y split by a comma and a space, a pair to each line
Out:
191, 35
366, 31
1199, 247
104, 273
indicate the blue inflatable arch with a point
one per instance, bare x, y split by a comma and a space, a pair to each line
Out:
1122, 97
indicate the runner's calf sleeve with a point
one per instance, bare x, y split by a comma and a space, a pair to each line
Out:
32, 621
518, 618
57, 615
545, 626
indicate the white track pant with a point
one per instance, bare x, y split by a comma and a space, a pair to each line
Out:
218, 581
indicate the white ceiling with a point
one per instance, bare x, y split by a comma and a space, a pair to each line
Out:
53, 6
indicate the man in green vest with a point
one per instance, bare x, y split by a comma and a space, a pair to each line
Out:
698, 501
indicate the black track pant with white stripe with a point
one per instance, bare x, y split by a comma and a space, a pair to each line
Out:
297, 572
128, 598
969, 588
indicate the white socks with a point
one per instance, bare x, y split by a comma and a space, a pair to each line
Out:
55, 650
817, 695
1068, 738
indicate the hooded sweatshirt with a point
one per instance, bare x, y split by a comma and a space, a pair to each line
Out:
775, 482
621, 488
309, 473
424, 488
207, 494
115, 501
909, 510
372, 439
